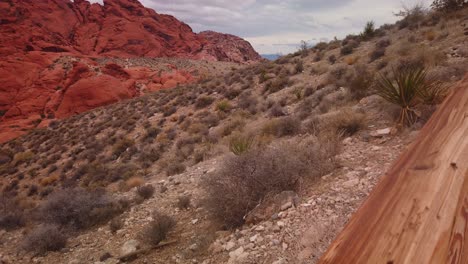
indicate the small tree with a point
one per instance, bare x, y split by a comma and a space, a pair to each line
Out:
369, 30
304, 48
449, 5
412, 16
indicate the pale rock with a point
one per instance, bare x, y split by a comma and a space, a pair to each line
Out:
350, 183
216, 247
260, 228
129, 247
280, 261
230, 245
238, 256
253, 238
193, 247
381, 132
347, 141
249, 246
286, 206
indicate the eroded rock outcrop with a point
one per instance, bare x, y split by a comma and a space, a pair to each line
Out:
119, 28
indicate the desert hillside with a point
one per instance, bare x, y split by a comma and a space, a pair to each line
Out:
264, 163
60, 58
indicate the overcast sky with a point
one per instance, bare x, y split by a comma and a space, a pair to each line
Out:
278, 26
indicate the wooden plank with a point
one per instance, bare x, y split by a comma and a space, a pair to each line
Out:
418, 212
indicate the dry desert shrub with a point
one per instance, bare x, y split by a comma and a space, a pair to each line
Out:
377, 53
11, 215
174, 166
183, 202
278, 84
78, 208
44, 238
283, 126
236, 124
158, 229
344, 122
145, 191
134, 181
116, 224
361, 82
246, 179
204, 101
351, 60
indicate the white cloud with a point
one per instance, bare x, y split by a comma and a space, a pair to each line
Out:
101, 2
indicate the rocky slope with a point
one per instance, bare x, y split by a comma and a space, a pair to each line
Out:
49, 51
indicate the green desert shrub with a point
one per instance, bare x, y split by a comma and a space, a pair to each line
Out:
369, 30
449, 5
223, 106
240, 144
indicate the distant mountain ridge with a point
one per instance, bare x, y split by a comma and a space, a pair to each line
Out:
271, 57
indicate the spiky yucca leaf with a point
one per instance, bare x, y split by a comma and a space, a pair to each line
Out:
433, 92
240, 144
403, 90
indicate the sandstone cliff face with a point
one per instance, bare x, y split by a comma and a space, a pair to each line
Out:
228, 47
119, 28
49, 49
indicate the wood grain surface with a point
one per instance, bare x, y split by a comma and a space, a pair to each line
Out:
418, 212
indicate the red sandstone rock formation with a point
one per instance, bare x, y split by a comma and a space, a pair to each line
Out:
228, 48
48, 50
120, 28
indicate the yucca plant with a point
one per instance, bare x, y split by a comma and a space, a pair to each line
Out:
404, 90
240, 144
433, 92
